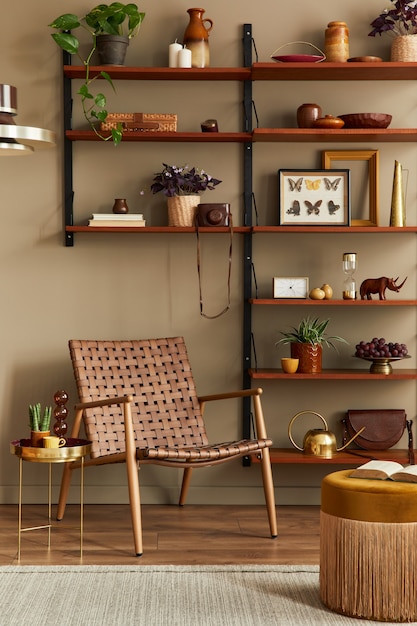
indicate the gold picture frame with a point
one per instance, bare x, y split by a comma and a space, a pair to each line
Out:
364, 173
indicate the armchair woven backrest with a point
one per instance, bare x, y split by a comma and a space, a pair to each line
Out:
157, 373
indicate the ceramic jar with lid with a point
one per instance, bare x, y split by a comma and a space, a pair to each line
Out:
336, 42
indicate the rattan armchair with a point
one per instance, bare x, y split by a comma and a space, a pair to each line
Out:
139, 405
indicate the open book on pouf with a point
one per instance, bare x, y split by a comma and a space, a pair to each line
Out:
386, 470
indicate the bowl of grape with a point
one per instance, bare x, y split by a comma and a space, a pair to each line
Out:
381, 353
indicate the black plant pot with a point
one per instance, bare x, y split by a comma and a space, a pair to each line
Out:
112, 49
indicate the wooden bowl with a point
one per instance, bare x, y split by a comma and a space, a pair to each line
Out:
329, 122
366, 59
366, 120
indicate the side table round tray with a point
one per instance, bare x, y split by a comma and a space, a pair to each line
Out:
74, 450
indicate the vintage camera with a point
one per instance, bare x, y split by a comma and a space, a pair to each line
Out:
213, 215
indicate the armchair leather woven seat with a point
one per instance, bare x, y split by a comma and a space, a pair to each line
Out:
139, 405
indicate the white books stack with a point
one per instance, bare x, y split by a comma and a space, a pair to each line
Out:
117, 219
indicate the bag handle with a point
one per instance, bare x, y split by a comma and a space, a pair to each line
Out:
307, 43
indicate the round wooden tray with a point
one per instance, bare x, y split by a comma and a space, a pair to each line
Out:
75, 449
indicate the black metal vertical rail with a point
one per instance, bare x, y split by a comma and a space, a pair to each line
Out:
68, 177
247, 237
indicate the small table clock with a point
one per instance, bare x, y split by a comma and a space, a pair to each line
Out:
290, 286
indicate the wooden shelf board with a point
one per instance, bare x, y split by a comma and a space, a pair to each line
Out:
316, 135
333, 374
309, 302
353, 230
258, 71
89, 135
356, 457
334, 71
161, 73
154, 229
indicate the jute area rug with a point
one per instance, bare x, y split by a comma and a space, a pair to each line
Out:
164, 595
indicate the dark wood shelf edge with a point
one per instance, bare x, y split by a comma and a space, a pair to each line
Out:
161, 73
200, 137
244, 229
154, 229
385, 70
309, 302
356, 457
308, 135
335, 229
332, 374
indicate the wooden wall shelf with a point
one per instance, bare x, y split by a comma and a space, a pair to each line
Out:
332, 374
334, 71
89, 135
352, 230
289, 456
345, 135
155, 229
309, 302
160, 73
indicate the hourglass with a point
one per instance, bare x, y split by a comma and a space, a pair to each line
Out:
349, 268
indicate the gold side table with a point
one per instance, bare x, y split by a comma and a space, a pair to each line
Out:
74, 450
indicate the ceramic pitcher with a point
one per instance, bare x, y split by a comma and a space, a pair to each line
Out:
196, 37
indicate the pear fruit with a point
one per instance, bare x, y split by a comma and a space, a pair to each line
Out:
317, 294
328, 291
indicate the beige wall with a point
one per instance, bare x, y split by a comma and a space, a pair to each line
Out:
141, 286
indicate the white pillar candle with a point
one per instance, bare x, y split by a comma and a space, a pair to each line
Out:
184, 58
174, 49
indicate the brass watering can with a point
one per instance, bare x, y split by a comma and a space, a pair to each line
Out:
319, 442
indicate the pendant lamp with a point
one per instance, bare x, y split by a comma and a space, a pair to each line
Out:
15, 139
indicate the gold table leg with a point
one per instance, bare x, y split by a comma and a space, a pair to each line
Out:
20, 530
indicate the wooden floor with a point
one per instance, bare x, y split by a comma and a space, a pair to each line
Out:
190, 535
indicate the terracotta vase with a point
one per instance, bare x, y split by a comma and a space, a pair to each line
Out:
309, 357
196, 38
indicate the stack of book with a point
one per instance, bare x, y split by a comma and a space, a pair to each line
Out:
117, 219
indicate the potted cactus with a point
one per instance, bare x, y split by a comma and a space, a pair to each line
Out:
39, 423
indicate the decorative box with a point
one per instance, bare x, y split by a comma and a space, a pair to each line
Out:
143, 122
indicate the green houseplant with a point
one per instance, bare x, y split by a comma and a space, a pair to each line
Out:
307, 340
116, 19
39, 422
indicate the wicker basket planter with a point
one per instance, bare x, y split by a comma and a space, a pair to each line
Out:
182, 209
404, 48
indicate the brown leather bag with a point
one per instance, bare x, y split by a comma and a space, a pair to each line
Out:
383, 428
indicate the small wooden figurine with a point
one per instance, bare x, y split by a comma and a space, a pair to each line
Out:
379, 285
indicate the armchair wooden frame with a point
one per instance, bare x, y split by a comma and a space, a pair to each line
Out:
136, 452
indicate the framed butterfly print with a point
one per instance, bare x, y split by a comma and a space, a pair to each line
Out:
314, 197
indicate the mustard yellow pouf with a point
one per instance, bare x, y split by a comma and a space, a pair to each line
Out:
368, 547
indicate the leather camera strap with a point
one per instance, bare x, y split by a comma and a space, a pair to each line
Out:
227, 307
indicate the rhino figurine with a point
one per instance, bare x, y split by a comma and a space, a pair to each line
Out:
379, 285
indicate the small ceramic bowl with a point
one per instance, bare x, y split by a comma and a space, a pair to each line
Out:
289, 366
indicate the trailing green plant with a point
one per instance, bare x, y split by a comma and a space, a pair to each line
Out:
39, 422
114, 19
311, 331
